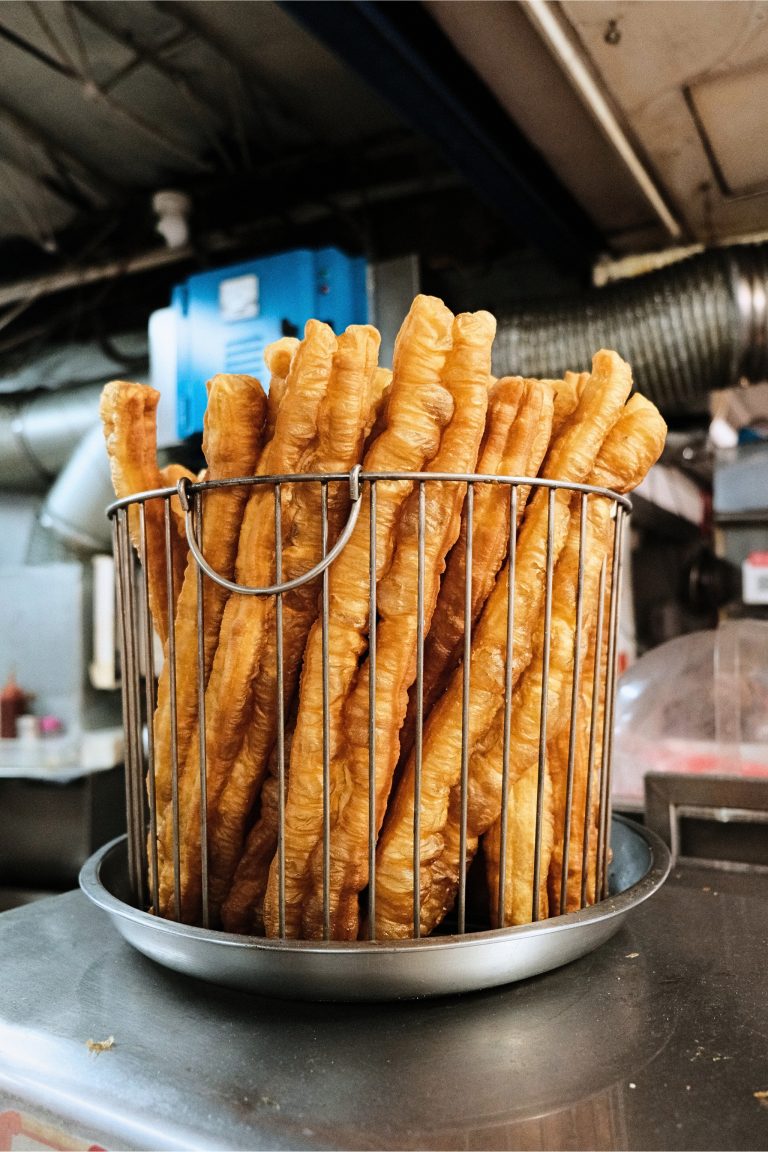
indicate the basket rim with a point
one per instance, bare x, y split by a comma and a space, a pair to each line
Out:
361, 477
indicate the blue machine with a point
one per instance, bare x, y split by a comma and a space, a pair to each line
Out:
223, 320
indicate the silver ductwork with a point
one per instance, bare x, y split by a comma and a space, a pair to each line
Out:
40, 431
74, 509
52, 442
687, 330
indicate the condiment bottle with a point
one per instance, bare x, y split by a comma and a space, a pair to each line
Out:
13, 703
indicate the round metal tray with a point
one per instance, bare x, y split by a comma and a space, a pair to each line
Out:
369, 970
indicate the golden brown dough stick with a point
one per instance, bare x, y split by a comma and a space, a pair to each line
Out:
571, 459
465, 377
525, 725
521, 834
170, 476
277, 357
233, 429
567, 394
377, 397
242, 910
633, 447
630, 448
582, 789
246, 619
517, 434
129, 417
233, 436
340, 430
417, 409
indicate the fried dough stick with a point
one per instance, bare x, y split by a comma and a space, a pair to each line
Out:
246, 619
243, 909
520, 866
585, 777
465, 377
516, 438
628, 454
567, 395
233, 429
129, 417
417, 409
632, 445
571, 458
341, 424
277, 357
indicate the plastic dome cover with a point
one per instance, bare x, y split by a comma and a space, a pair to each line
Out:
698, 703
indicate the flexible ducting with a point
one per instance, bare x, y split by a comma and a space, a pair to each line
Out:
687, 329
39, 432
74, 507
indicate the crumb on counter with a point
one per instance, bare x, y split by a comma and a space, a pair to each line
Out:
96, 1046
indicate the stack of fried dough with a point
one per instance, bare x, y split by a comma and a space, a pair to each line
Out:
456, 666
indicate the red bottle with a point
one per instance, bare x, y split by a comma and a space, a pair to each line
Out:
13, 703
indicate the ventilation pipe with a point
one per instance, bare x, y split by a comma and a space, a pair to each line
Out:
39, 433
687, 330
74, 509
53, 442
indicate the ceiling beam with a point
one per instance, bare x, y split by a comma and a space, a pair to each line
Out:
153, 58
90, 90
85, 172
403, 54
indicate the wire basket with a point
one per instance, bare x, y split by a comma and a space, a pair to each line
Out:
567, 786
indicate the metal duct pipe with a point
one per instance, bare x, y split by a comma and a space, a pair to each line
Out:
38, 434
74, 509
687, 329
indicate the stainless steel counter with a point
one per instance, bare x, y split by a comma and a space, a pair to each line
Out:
658, 1040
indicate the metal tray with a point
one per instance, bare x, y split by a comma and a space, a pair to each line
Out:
369, 970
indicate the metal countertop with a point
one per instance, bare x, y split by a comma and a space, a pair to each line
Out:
658, 1040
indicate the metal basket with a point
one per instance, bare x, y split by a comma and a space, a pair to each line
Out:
467, 921
139, 660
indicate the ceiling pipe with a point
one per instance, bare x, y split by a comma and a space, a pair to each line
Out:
689, 329
571, 60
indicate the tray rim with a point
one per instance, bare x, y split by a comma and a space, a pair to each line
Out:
613, 906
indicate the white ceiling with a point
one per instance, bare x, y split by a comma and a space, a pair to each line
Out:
686, 81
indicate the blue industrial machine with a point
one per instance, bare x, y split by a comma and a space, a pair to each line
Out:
221, 321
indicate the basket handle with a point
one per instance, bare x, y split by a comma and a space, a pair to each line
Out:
355, 492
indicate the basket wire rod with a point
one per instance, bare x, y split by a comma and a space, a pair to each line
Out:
574, 717
605, 796
124, 563
508, 654
372, 715
594, 722
465, 689
142, 625
326, 723
203, 765
280, 703
171, 658
542, 767
149, 683
419, 713
134, 656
